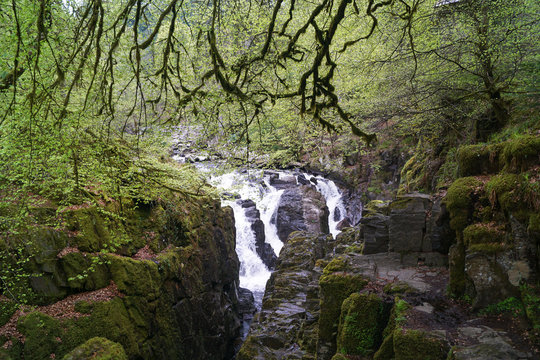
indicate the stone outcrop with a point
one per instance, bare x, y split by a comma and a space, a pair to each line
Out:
286, 326
174, 281
414, 225
332, 299
495, 219
264, 250
301, 208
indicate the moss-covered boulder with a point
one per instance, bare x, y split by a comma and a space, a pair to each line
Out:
97, 348
478, 159
416, 344
334, 289
41, 335
521, 153
460, 200
362, 320
485, 237
7, 309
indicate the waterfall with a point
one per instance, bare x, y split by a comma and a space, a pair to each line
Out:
333, 198
256, 186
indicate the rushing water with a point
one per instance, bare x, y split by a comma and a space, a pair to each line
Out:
256, 186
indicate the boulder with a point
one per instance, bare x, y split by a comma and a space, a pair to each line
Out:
282, 181
407, 224
301, 208
97, 348
374, 232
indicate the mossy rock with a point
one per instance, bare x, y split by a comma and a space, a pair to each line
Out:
334, 289
376, 206
135, 277
478, 159
336, 264
362, 319
7, 309
91, 227
97, 348
484, 233
85, 271
398, 288
42, 333
521, 153
84, 307
534, 224
507, 191
456, 260
460, 199
416, 344
386, 350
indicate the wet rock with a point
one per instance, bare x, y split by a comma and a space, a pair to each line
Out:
286, 326
246, 309
343, 224
282, 181
301, 208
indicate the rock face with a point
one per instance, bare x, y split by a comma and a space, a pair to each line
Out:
285, 328
264, 250
329, 300
174, 298
495, 219
301, 208
414, 225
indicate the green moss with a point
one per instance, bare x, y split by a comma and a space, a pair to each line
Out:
415, 344
97, 348
135, 277
335, 288
7, 309
456, 260
400, 203
376, 206
336, 264
483, 234
42, 333
117, 320
249, 350
399, 287
84, 271
521, 153
478, 159
534, 223
494, 248
361, 322
386, 350
91, 228
507, 191
459, 201
84, 307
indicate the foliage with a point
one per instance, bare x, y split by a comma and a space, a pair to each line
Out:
511, 305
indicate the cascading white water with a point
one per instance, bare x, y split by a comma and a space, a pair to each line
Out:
334, 201
253, 273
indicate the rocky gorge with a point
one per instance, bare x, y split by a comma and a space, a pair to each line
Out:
286, 266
